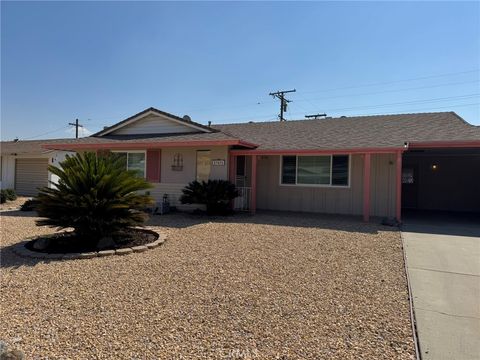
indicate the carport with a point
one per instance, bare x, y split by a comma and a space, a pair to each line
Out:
441, 177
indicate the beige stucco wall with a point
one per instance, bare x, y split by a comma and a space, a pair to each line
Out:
189, 164
383, 185
172, 182
335, 200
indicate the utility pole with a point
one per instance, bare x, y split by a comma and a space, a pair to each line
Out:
77, 125
283, 102
315, 116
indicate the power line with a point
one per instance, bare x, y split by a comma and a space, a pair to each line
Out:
462, 97
299, 114
392, 82
393, 91
303, 99
421, 109
46, 133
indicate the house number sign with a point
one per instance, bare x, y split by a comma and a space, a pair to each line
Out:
218, 162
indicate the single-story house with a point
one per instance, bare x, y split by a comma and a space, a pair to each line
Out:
363, 165
24, 165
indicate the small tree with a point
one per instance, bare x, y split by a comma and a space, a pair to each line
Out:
95, 195
215, 194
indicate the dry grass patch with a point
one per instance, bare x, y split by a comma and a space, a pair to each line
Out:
264, 287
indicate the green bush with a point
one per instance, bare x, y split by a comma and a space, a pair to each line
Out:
11, 194
95, 195
215, 194
7, 195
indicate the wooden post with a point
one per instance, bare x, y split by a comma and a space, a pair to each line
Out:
366, 188
398, 203
231, 168
253, 201
232, 165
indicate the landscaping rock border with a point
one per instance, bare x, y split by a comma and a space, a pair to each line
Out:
21, 250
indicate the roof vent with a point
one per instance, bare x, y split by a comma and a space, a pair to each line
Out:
187, 118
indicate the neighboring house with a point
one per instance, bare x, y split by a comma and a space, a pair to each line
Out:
369, 165
24, 165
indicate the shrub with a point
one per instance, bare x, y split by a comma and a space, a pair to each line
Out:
11, 194
215, 194
7, 195
95, 195
29, 205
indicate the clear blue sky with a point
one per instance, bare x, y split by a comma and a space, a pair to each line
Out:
104, 61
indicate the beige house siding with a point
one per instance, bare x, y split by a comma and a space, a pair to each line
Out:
335, 200
383, 185
172, 182
188, 173
154, 124
174, 191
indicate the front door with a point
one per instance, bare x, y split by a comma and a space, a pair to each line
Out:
204, 165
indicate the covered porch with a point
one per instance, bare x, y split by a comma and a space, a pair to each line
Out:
373, 187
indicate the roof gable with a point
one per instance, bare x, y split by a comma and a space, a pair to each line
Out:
154, 121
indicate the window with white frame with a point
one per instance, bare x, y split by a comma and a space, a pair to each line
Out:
134, 160
324, 170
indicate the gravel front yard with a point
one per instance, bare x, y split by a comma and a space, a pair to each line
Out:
271, 286
15, 204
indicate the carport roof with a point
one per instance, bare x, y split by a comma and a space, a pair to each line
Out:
26, 147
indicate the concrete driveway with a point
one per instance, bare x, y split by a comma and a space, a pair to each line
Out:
443, 263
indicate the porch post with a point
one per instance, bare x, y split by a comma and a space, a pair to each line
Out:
253, 201
398, 203
232, 165
366, 188
231, 168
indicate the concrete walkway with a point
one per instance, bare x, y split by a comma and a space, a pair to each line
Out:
443, 263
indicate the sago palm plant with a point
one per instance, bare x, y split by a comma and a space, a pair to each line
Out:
215, 194
95, 195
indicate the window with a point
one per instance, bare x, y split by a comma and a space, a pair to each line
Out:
326, 170
134, 161
289, 170
340, 170
313, 170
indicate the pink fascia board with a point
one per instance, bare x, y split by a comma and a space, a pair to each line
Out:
380, 150
145, 145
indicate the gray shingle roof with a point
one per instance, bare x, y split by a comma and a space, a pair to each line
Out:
23, 147
137, 140
382, 131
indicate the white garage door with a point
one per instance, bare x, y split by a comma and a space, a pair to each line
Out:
30, 174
